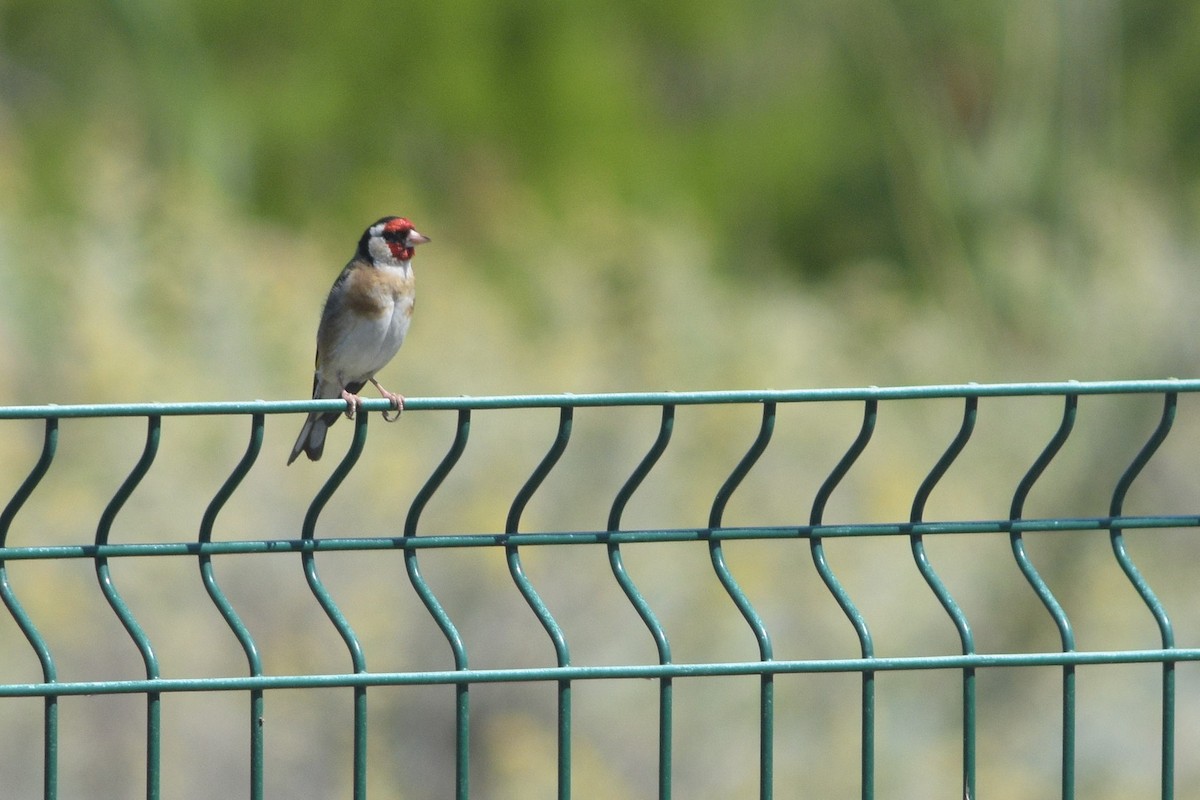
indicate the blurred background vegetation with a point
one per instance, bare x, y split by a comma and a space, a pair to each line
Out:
622, 196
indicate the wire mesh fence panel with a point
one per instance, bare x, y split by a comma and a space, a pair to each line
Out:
938, 591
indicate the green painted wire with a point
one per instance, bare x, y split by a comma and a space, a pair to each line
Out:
512, 523
956, 662
118, 605
617, 563
631, 485
857, 394
583, 538
23, 620
766, 733
1159, 612
921, 557
866, 646
1035, 580
424, 495
335, 615
225, 607
715, 518
534, 600
462, 706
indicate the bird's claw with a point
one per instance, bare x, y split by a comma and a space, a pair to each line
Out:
396, 400
353, 403
397, 406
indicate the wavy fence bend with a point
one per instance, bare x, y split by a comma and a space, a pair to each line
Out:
765, 666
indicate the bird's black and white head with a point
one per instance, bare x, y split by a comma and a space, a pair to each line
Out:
390, 241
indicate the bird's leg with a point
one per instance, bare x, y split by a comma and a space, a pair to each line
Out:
396, 400
353, 403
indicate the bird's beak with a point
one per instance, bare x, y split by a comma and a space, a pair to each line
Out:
415, 238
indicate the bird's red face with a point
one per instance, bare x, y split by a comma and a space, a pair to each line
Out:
391, 240
401, 238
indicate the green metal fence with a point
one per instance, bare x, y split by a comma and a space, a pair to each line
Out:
564, 675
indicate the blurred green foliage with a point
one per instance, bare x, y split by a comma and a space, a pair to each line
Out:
622, 196
810, 134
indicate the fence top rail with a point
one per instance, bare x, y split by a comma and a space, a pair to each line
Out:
566, 400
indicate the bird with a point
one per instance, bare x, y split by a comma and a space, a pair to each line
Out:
363, 323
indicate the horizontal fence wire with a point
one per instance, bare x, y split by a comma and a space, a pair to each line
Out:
563, 673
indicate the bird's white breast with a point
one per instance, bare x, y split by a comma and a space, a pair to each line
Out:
372, 326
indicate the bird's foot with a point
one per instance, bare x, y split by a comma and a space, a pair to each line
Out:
396, 400
353, 403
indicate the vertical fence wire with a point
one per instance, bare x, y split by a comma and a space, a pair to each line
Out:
1035, 580
462, 707
358, 660
1166, 631
25, 623
966, 638
861, 630
534, 600
225, 607
766, 733
123, 612
617, 563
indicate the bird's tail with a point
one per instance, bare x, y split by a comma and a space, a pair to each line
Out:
312, 436
311, 441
